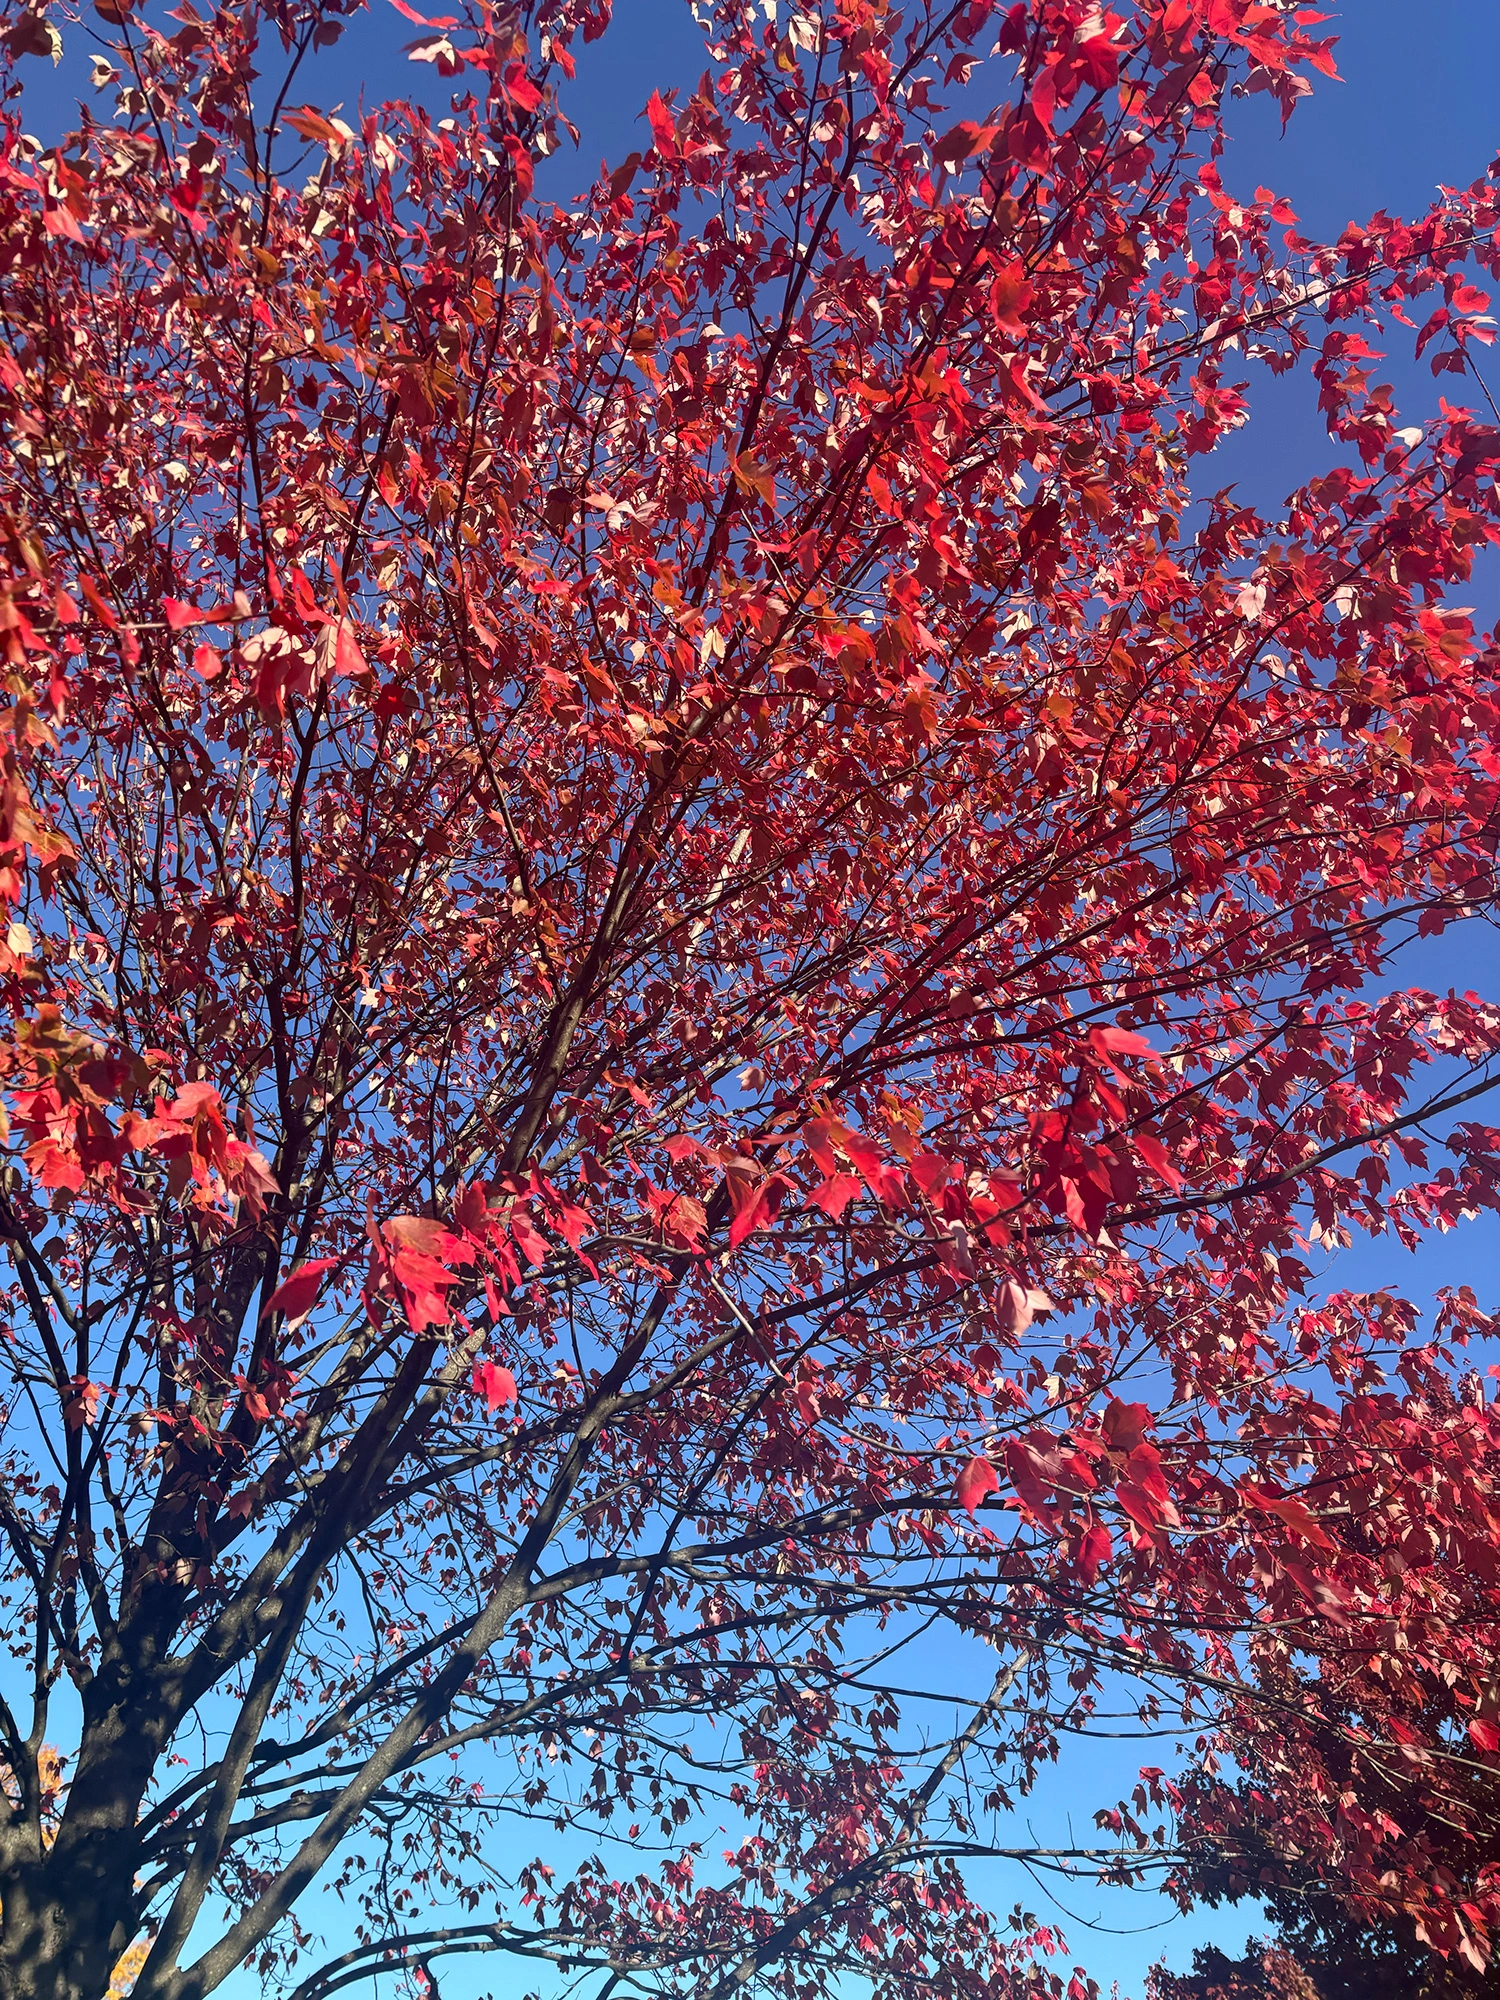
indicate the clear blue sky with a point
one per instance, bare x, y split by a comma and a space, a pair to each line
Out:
1419, 105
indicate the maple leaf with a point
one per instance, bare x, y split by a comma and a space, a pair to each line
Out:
683, 1146
1126, 1424
297, 1293
531, 1244
745, 1184
81, 1406
495, 1384
834, 1195
1294, 1512
421, 20
1157, 1158
1023, 1470
425, 1284
663, 129
1094, 1550
964, 140
1020, 1304
737, 679
885, 1182
976, 1478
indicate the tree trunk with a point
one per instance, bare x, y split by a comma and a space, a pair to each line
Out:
68, 1903
62, 1934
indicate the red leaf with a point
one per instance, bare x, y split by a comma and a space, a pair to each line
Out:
521, 162
1126, 1424
809, 1399
886, 1183
753, 476
61, 221
311, 124
1099, 62
424, 1284
1157, 1158
816, 1136
421, 1232
1019, 1305
977, 1478
296, 1295
1292, 1511
103, 611
471, 1208
496, 1384
442, 21
965, 139
835, 1194
623, 175
1485, 1734
572, 1224
532, 1246
1094, 1549
953, 1248
663, 129
81, 1404
520, 89
1142, 1506
1023, 1476
347, 657
1010, 295
1121, 1041
930, 1171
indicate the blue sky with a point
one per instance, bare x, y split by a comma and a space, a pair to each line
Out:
1417, 107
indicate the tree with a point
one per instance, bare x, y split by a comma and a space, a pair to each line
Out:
692, 956
1332, 1960
1364, 1808
1343, 1962
1264, 1973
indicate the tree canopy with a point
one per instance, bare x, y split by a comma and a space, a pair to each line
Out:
699, 954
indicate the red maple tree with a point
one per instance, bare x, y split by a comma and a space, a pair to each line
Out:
694, 949
1365, 1751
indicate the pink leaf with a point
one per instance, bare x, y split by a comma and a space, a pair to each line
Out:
442, 21
347, 657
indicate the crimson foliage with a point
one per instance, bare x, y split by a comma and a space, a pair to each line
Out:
692, 960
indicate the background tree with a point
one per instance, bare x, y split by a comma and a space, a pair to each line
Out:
1319, 1954
1368, 1755
691, 959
